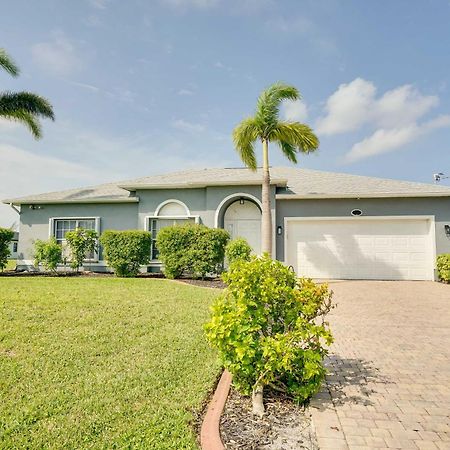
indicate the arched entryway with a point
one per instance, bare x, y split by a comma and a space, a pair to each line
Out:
240, 215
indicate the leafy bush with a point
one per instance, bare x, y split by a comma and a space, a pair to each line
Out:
191, 248
48, 253
6, 236
81, 243
443, 267
126, 251
266, 328
238, 249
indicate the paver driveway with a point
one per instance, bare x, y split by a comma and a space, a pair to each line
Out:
389, 380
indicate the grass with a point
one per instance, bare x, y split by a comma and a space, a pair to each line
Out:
102, 363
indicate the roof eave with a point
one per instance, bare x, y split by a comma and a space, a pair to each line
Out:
355, 195
56, 202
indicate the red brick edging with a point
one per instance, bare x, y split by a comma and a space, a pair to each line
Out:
210, 433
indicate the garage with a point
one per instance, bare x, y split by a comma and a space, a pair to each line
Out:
377, 248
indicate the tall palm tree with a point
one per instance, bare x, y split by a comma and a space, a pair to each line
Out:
24, 107
292, 137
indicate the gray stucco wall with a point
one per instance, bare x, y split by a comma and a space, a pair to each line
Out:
34, 223
430, 206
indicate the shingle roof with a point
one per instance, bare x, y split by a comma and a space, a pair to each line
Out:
292, 183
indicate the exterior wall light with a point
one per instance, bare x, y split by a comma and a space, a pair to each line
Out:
279, 230
241, 201
447, 230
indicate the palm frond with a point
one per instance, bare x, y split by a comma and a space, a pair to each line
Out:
27, 119
267, 108
298, 135
244, 136
7, 63
26, 101
289, 151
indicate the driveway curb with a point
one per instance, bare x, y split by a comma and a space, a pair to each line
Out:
210, 433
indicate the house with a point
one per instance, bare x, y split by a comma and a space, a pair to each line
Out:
13, 246
326, 225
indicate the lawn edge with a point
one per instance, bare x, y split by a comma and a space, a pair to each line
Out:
210, 433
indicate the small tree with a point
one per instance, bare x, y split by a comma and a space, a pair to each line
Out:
6, 236
81, 242
238, 249
48, 253
126, 251
266, 328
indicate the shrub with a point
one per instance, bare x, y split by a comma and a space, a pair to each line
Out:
443, 267
81, 242
126, 251
191, 248
238, 249
48, 253
265, 326
6, 236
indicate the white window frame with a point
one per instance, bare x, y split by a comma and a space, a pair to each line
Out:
52, 231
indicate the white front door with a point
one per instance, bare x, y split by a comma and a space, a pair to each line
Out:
361, 248
244, 220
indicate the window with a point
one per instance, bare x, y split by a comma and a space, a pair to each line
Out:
157, 224
14, 247
62, 226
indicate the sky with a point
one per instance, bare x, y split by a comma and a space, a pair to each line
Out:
142, 87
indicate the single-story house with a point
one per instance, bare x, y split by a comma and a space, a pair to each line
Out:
326, 225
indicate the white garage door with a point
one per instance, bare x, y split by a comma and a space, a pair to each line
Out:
361, 248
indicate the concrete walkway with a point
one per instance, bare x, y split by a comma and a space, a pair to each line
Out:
389, 380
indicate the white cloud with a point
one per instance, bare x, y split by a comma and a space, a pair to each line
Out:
394, 117
182, 4
355, 104
295, 111
183, 125
348, 108
388, 140
185, 92
58, 56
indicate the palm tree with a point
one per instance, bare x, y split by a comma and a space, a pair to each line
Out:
24, 107
292, 137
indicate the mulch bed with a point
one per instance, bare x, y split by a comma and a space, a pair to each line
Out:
216, 283
285, 426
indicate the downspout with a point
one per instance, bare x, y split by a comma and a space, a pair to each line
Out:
14, 208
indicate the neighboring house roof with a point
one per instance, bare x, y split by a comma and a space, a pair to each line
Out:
292, 183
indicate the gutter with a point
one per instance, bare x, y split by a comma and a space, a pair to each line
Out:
58, 202
14, 208
380, 195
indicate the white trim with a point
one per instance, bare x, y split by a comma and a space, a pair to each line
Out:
96, 219
62, 201
172, 200
356, 195
229, 197
431, 218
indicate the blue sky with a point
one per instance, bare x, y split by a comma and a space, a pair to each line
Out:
143, 87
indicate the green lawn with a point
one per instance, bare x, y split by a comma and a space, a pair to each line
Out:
102, 363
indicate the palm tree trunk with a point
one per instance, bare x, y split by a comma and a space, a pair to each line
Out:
266, 225
257, 401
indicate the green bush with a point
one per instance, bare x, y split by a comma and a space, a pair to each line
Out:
81, 243
6, 236
191, 248
267, 330
238, 249
48, 253
443, 267
126, 251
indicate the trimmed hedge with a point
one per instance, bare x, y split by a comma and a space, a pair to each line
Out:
193, 249
6, 236
126, 251
443, 267
237, 250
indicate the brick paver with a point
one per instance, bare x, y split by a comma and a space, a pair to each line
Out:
389, 368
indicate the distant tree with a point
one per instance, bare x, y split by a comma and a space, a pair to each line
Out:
24, 107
